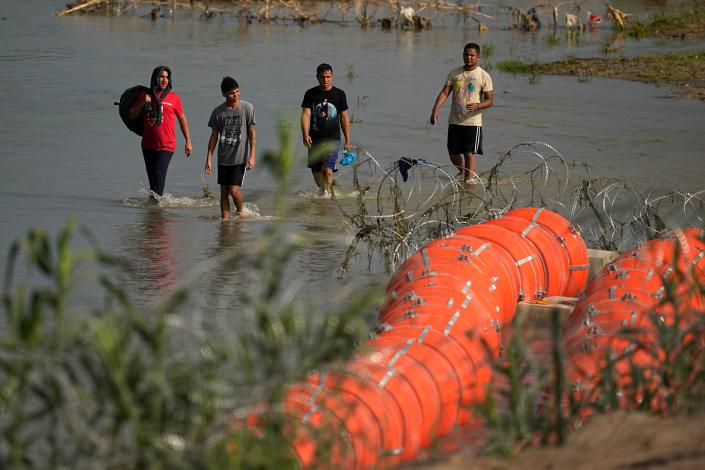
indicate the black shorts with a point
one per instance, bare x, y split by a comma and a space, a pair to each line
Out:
464, 139
231, 175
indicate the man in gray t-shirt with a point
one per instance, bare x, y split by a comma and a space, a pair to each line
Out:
233, 128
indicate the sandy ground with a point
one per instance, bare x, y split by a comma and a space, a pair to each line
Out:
617, 440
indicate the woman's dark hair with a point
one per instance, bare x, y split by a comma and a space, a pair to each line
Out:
155, 110
228, 83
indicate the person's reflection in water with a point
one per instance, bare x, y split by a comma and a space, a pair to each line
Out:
154, 258
230, 277
229, 236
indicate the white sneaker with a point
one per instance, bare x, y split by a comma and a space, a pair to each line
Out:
474, 180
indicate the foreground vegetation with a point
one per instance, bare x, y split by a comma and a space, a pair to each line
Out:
535, 405
122, 387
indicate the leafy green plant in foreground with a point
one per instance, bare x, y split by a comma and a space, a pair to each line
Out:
527, 400
102, 383
122, 387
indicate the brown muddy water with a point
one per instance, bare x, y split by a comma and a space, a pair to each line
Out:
65, 153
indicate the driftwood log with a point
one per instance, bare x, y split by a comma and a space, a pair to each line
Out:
89, 3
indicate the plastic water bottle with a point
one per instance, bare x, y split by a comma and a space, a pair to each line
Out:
348, 156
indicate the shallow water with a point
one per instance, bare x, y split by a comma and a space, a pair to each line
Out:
66, 153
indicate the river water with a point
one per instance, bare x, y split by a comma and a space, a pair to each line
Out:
66, 154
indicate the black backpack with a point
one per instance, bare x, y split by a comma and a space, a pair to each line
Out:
127, 99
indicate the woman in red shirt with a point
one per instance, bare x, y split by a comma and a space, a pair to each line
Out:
158, 108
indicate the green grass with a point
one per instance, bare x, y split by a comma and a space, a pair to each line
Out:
511, 413
517, 66
487, 51
552, 40
692, 21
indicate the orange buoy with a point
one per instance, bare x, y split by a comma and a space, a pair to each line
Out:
449, 318
404, 397
554, 256
661, 252
476, 335
382, 405
602, 318
466, 292
454, 256
505, 275
569, 238
318, 423
616, 292
426, 395
471, 390
628, 278
440, 325
357, 420
442, 296
525, 257
442, 373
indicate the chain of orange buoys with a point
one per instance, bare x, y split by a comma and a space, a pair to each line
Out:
615, 321
444, 310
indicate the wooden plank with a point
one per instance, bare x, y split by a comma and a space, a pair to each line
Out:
539, 315
598, 260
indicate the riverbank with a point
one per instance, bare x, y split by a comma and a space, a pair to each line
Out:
685, 70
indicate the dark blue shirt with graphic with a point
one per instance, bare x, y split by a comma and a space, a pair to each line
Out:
325, 107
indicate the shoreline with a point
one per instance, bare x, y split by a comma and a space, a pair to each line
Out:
684, 70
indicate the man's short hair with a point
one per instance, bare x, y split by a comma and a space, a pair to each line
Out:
472, 45
228, 83
323, 68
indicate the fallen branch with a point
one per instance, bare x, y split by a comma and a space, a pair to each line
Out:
80, 7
